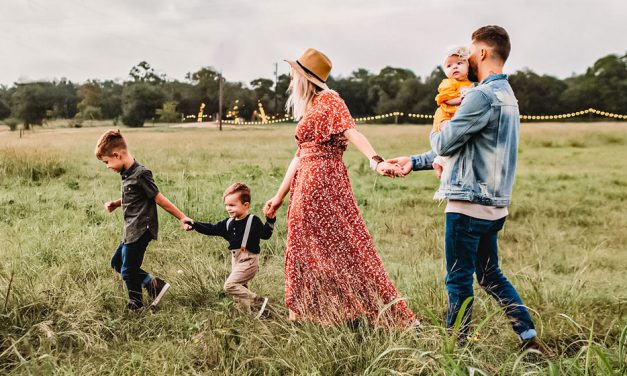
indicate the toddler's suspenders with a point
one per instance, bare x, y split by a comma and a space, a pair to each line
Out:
249, 224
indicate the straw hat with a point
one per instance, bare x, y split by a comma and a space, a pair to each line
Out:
314, 65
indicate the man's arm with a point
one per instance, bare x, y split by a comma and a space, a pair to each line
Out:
471, 116
416, 162
423, 161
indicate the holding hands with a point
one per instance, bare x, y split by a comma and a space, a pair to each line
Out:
406, 165
271, 206
187, 223
390, 168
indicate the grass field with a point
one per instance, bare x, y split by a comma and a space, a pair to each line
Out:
62, 310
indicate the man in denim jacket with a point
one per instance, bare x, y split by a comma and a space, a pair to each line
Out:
481, 141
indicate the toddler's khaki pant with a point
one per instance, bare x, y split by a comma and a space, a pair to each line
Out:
244, 266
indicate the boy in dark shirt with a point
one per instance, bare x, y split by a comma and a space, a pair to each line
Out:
140, 195
243, 231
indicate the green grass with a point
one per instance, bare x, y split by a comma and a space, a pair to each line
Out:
62, 310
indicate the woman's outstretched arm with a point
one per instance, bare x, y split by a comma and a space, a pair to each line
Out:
273, 204
363, 145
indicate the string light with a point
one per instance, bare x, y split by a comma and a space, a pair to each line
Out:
363, 119
573, 114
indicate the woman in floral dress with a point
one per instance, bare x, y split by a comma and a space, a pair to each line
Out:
333, 273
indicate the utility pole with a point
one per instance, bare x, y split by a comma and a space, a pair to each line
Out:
220, 100
276, 89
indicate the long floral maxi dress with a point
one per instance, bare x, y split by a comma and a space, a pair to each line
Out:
333, 273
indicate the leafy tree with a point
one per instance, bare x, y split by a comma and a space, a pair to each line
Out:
111, 99
30, 102
64, 98
426, 99
167, 113
537, 95
91, 99
139, 103
143, 72
603, 86
263, 90
206, 80
354, 91
187, 96
5, 110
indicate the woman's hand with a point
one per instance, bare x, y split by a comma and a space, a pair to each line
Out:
271, 206
404, 162
389, 169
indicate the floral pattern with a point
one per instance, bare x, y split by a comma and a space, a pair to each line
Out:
333, 273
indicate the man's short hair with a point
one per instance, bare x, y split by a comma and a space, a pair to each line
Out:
242, 189
496, 37
110, 141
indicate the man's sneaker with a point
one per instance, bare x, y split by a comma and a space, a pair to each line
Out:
156, 289
260, 302
536, 345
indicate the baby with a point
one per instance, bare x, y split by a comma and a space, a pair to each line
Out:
450, 94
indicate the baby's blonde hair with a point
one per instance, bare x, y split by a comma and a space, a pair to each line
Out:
460, 51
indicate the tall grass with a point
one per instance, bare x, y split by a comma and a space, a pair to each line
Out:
62, 308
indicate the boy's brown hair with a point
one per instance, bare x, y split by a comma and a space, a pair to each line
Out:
110, 141
496, 37
242, 189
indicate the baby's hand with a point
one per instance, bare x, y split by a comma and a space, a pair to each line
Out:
437, 168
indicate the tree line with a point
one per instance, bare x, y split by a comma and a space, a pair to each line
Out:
148, 96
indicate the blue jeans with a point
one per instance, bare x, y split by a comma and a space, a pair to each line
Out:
127, 260
471, 247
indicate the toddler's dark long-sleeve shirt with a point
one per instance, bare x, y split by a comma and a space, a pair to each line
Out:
235, 233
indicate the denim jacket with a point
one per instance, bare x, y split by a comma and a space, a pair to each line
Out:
481, 142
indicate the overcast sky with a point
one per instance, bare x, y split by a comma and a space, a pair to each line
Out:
83, 39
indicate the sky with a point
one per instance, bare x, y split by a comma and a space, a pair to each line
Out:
85, 39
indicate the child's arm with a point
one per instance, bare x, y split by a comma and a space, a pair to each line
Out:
454, 102
168, 206
112, 205
268, 227
206, 228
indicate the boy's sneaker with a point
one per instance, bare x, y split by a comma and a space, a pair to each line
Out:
134, 307
537, 345
260, 302
156, 289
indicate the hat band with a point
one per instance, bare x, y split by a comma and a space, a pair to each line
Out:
310, 72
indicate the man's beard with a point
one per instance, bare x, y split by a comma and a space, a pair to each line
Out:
472, 76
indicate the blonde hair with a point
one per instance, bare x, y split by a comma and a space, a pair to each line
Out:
302, 91
459, 51
110, 142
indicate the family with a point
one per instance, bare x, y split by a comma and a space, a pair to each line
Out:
333, 273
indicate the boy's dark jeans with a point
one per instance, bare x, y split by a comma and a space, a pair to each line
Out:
127, 260
471, 247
